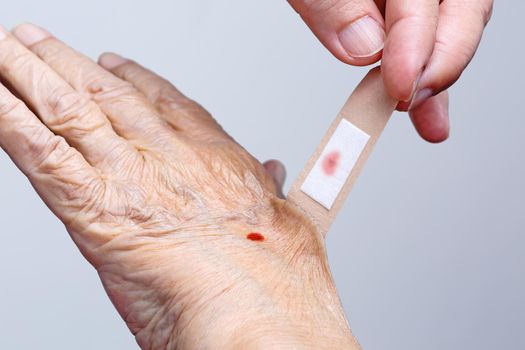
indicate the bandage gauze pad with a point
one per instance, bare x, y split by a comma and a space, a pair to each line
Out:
327, 178
330, 172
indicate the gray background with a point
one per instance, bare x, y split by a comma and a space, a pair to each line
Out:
428, 253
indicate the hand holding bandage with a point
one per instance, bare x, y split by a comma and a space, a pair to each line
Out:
424, 46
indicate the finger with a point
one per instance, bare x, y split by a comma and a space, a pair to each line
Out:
277, 171
59, 106
352, 30
127, 109
381, 5
58, 172
431, 118
181, 112
411, 32
461, 25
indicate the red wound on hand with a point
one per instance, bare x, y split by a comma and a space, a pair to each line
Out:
331, 162
254, 236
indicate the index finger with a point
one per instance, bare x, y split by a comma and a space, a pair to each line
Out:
57, 171
411, 33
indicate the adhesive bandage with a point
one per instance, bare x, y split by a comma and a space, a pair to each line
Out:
333, 168
323, 185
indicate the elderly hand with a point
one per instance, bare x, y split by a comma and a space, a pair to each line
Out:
427, 45
186, 230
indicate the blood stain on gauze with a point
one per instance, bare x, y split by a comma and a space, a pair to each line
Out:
330, 162
330, 172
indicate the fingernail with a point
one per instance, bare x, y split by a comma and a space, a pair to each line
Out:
277, 170
363, 37
415, 87
111, 60
280, 174
3, 32
270, 166
420, 97
29, 34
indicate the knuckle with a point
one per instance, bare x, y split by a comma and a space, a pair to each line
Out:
174, 103
64, 103
63, 169
70, 109
166, 96
54, 154
16, 61
102, 90
9, 107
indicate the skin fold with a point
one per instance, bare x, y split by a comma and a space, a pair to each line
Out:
160, 200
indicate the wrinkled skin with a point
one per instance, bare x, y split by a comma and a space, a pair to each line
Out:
159, 199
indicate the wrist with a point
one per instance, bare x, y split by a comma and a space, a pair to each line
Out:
273, 293
234, 321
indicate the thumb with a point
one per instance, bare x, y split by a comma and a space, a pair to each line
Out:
352, 30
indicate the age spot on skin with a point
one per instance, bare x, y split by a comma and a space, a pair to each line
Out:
255, 236
331, 162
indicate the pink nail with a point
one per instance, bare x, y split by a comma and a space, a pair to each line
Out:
111, 60
363, 37
29, 34
3, 32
